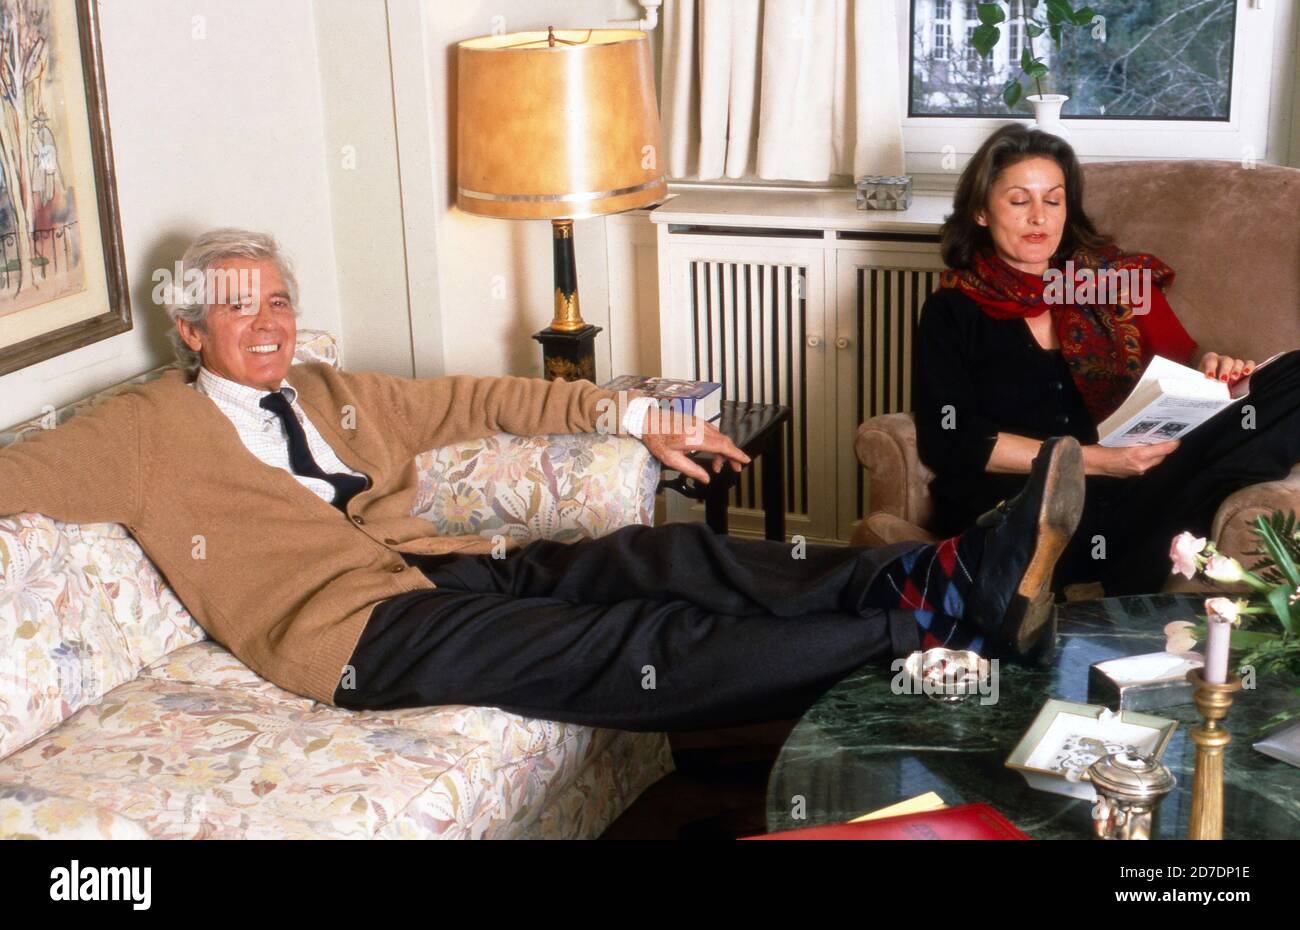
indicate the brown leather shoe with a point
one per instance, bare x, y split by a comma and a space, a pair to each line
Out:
1011, 600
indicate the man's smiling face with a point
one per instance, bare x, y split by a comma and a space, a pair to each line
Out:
251, 331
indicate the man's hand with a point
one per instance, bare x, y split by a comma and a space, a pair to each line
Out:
670, 436
1225, 368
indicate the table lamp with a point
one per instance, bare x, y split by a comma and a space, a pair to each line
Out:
558, 125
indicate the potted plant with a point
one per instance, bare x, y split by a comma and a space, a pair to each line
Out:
1266, 622
1057, 16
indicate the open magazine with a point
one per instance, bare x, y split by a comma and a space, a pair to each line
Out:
1169, 400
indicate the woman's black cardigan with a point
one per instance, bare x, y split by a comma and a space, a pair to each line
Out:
972, 377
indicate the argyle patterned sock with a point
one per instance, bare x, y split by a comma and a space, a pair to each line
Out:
934, 581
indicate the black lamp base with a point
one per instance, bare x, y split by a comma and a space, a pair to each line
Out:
568, 356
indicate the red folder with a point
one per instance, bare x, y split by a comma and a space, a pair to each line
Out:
964, 822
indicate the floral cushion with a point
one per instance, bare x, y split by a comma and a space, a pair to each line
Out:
82, 610
29, 813
537, 487
200, 746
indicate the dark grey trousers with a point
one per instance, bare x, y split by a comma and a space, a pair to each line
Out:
647, 628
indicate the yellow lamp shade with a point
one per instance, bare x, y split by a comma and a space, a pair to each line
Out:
557, 131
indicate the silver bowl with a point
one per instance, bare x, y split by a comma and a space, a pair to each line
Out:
946, 675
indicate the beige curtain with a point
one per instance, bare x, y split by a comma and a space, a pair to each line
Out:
796, 90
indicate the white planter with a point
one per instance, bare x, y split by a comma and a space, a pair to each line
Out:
1047, 114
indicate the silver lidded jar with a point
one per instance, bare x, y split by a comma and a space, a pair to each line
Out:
1129, 787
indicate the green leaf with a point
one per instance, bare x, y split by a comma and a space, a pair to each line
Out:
1034, 30
1277, 599
1273, 532
1246, 639
1026, 58
984, 38
1060, 11
1277, 551
990, 14
1084, 16
1054, 31
1037, 69
1011, 95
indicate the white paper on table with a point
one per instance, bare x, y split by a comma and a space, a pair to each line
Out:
1153, 666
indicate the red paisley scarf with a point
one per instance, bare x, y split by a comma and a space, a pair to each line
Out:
1106, 345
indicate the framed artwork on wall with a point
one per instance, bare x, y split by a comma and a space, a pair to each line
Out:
62, 271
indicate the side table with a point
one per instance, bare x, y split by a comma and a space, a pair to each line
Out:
757, 430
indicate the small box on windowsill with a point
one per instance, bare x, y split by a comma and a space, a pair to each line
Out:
884, 192
1145, 682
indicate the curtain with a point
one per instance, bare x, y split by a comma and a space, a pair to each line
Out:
796, 90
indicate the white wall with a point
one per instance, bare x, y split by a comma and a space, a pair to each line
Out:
216, 118
365, 180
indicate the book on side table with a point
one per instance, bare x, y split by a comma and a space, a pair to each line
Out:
701, 399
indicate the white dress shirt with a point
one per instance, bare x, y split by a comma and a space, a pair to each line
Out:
265, 436
263, 432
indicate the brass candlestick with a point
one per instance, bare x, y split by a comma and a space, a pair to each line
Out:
1212, 703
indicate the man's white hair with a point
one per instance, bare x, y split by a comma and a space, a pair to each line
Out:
214, 246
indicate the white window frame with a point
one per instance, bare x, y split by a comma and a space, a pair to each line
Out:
932, 142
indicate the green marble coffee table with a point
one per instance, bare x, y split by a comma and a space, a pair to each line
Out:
861, 747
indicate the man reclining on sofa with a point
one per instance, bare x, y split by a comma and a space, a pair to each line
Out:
276, 500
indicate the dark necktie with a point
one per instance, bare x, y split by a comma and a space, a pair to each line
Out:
300, 457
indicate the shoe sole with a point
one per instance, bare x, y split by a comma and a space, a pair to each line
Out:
1034, 606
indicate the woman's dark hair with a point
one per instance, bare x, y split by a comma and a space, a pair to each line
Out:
961, 237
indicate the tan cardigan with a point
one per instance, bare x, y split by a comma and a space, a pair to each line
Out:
278, 576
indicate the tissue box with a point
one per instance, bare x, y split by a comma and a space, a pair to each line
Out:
884, 192
1065, 738
1145, 682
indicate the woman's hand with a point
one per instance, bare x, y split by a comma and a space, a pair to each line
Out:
1225, 368
1127, 461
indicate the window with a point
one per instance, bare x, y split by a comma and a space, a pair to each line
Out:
1160, 59
941, 9
1015, 35
1173, 79
939, 51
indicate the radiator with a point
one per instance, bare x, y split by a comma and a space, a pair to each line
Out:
821, 322
887, 305
749, 331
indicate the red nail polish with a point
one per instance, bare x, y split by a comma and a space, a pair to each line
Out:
1223, 377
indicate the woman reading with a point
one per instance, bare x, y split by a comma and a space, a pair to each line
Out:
1005, 360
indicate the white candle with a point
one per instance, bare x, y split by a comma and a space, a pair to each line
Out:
1216, 650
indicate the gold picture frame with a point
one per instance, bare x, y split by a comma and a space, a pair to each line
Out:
63, 284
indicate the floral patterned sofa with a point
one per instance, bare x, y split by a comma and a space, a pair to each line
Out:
120, 719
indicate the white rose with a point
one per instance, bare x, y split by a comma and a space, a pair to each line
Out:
1222, 610
1183, 552
1223, 568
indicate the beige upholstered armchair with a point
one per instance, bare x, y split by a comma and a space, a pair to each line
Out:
1231, 235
